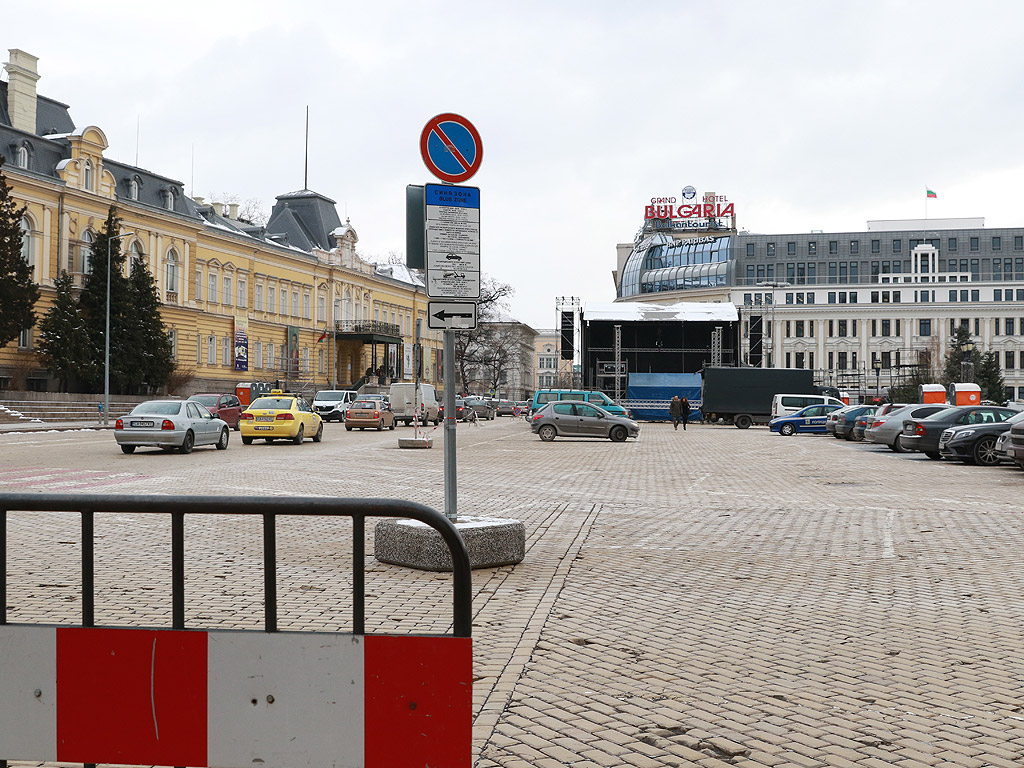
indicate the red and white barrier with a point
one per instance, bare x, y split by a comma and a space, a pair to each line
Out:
234, 699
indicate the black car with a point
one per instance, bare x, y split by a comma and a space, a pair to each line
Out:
976, 443
845, 423
923, 434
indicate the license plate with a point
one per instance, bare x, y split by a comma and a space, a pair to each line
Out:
262, 427
264, 418
142, 423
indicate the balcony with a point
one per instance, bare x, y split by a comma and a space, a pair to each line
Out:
171, 297
369, 330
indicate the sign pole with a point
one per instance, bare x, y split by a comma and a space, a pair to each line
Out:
450, 421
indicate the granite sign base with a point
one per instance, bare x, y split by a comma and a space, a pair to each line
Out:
415, 442
490, 542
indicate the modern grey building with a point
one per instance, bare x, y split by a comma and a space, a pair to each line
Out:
858, 308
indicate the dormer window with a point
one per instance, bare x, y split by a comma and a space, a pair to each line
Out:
21, 156
168, 198
87, 176
133, 189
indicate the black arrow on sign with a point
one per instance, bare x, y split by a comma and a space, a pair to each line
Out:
442, 315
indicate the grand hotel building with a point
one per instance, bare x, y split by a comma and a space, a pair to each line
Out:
858, 308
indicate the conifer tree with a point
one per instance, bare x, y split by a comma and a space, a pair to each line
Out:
63, 341
148, 336
989, 376
954, 370
18, 294
93, 303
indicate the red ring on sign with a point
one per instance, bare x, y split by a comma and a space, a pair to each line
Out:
435, 124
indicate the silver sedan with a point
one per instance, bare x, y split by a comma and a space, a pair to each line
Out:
887, 429
170, 425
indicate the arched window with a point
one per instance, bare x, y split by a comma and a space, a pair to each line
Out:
87, 175
27, 246
168, 197
133, 189
21, 156
135, 255
171, 283
85, 252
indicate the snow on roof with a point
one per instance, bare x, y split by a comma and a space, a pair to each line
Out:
693, 311
399, 272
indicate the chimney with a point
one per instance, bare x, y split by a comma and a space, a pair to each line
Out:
233, 208
21, 89
218, 208
200, 201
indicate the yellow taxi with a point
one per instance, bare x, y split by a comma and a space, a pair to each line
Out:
280, 415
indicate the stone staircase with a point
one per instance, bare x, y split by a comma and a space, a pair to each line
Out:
16, 411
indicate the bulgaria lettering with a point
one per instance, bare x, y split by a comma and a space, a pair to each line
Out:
697, 211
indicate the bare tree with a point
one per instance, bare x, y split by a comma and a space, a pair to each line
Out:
477, 352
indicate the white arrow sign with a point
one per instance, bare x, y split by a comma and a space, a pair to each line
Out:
451, 315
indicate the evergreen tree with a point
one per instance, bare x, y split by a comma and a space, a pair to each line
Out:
93, 303
18, 294
907, 390
953, 369
63, 342
148, 336
989, 376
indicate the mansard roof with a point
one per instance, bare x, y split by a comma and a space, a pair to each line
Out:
306, 218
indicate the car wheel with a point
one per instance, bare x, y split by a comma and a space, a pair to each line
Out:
380, 425
348, 428
188, 442
271, 439
985, 452
127, 449
897, 445
618, 434
319, 434
787, 430
437, 421
547, 433
246, 440
300, 435
837, 436
238, 425
222, 444
933, 455
849, 436
392, 427
743, 421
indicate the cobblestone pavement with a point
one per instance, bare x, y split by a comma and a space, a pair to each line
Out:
715, 597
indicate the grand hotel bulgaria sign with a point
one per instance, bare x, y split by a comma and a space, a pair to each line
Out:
677, 213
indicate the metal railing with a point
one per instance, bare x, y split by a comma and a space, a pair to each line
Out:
367, 326
88, 505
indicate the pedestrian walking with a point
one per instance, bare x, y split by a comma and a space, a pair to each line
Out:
686, 411
675, 409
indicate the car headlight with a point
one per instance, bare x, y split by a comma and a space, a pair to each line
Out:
961, 434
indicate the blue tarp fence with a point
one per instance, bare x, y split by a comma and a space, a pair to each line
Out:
649, 394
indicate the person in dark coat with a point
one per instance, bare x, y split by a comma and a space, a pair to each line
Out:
675, 409
685, 407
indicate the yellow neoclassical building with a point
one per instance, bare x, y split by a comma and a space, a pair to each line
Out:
287, 302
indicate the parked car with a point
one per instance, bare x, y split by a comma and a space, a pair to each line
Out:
226, 407
1003, 446
405, 399
369, 413
786, 404
860, 425
976, 443
170, 425
593, 396
505, 408
281, 415
830, 420
483, 408
923, 434
888, 429
461, 411
809, 419
576, 418
844, 424
332, 403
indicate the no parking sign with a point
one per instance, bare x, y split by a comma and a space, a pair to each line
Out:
451, 147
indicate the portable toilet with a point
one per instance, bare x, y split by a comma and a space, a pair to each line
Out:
931, 393
243, 391
845, 397
964, 394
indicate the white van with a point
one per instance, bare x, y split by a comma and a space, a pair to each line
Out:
403, 403
331, 404
783, 405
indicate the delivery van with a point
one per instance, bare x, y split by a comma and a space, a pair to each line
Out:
403, 403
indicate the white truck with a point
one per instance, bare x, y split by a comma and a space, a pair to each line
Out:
404, 401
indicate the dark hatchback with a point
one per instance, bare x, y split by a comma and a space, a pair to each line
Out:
976, 443
923, 434
845, 423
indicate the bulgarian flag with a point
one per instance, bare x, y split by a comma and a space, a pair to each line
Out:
929, 193
322, 337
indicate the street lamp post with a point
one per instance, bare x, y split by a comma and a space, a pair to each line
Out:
965, 364
106, 336
878, 378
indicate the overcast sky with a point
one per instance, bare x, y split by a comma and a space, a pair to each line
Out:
807, 115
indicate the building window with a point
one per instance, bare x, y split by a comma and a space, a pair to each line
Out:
812, 248
1009, 326
874, 297
831, 297
135, 255
270, 355
258, 362
771, 249
951, 245
172, 271
85, 252
321, 309
87, 175
1011, 360
791, 249
199, 284
975, 244
305, 306
240, 291
211, 350
886, 327
295, 303
172, 337
924, 327
833, 247
799, 329
799, 359
1018, 242
212, 287
997, 243
226, 293
258, 298
270, 298
133, 189
225, 350
168, 198
854, 247
750, 249
284, 300
876, 246
897, 246
21, 156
